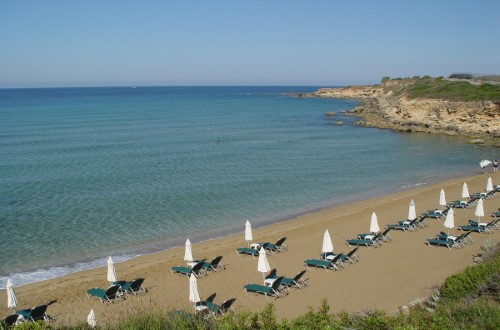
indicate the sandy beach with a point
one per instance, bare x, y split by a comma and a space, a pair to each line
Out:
386, 278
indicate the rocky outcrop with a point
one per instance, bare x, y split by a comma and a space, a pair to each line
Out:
384, 107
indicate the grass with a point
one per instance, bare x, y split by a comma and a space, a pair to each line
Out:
439, 88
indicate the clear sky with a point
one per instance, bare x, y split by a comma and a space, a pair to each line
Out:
270, 42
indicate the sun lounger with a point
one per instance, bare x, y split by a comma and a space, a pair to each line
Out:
351, 256
214, 265
435, 214
197, 270
462, 240
265, 290
477, 227
279, 246
404, 225
247, 251
297, 281
9, 321
361, 242
326, 264
133, 287
421, 223
384, 236
34, 314
221, 309
496, 224
203, 305
438, 242
488, 226
108, 295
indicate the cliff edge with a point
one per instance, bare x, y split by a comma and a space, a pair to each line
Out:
431, 105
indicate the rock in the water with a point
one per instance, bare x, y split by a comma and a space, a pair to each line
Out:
476, 141
330, 113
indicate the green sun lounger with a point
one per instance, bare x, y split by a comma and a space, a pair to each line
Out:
221, 309
214, 265
247, 251
34, 314
197, 270
279, 246
9, 321
477, 227
461, 240
440, 242
351, 256
404, 225
133, 287
325, 264
296, 281
361, 242
272, 290
108, 295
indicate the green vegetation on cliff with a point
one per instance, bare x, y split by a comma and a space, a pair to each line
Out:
440, 88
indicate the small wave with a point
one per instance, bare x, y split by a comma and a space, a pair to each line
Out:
413, 185
38, 275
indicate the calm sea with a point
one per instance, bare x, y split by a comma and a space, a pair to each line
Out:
87, 173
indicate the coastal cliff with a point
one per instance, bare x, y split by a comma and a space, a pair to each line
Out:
405, 105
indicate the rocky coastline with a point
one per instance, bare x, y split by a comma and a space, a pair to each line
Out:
388, 106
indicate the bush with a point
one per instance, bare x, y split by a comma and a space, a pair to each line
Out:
467, 282
314, 320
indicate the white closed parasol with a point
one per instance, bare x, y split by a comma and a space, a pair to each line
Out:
374, 228
489, 184
91, 320
465, 191
11, 295
188, 252
194, 296
263, 265
442, 198
111, 271
327, 243
412, 213
450, 220
248, 232
479, 209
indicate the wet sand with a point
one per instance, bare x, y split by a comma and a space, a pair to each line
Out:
386, 278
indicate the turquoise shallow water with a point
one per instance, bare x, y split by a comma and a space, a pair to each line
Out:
92, 172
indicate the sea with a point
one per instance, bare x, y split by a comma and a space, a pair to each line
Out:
87, 173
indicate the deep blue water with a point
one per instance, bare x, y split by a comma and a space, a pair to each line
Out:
92, 172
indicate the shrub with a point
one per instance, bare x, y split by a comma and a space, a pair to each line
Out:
467, 282
314, 320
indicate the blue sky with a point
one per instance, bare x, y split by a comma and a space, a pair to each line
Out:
327, 43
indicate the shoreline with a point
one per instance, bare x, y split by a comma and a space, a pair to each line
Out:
403, 270
54, 272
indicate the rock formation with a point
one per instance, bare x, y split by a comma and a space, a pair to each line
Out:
388, 106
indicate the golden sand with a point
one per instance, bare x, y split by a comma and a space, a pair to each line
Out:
385, 278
